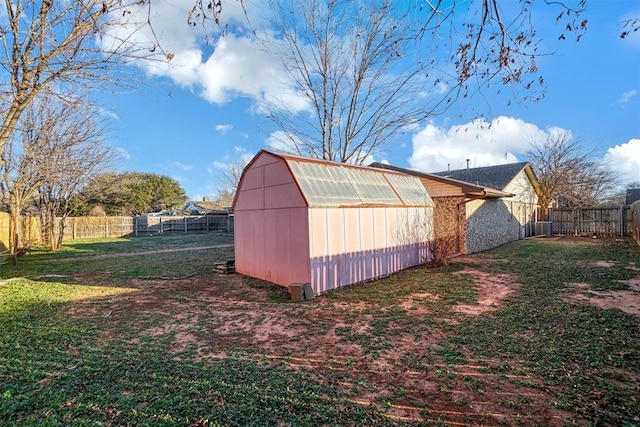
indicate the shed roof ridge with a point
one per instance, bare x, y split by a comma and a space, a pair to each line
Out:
317, 188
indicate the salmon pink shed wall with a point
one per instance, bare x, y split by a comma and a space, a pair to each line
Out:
271, 224
351, 245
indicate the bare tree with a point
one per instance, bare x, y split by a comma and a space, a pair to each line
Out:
46, 45
80, 155
568, 173
367, 70
229, 179
54, 146
21, 174
345, 60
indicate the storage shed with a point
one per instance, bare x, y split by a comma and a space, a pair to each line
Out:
302, 220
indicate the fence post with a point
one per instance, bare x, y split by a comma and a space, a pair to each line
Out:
161, 227
185, 225
106, 227
135, 226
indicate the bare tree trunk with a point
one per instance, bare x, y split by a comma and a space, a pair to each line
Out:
58, 235
14, 230
9, 124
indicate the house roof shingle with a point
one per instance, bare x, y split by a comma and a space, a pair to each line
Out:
206, 206
491, 176
466, 187
633, 195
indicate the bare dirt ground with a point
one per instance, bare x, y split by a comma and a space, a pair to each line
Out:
397, 369
625, 300
206, 319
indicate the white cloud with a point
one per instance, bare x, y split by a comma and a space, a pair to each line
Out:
223, 129
220, 69
279, 141
110, 114
219, 165
183, 166
625, 159
122, 153
484, 144
627, 96
241, 158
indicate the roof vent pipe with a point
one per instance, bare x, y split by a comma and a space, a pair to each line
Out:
467, 163
448, 167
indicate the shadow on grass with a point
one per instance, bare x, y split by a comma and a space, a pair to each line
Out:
57, 370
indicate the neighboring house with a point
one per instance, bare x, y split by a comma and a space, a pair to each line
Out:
516, 214
633, 195
205, 207
302, 220
455, 231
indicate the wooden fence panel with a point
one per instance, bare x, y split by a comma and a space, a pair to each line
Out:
591, 221
182, 224
634, 223
4, 232
120, 226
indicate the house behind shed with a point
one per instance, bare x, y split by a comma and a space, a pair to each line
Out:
302, 220
492, 222
451, 223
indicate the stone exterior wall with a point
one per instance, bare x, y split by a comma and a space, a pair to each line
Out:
523, 205
490, 224
450, 225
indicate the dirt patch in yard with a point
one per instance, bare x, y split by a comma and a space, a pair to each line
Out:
491, 289
605, 264
625, 300
414, 302
382, 356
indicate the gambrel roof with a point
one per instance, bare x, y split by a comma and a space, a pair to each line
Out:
324, 183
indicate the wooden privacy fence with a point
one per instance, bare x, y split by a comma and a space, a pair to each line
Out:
109, 226
119, 226
634, 225
589, 221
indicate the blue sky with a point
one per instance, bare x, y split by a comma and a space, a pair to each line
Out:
199, 113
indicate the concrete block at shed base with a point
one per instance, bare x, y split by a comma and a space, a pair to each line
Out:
308, 292
301, 291
296, 291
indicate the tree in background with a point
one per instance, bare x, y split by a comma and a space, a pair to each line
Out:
84, 156
54, 142
346, 62
567, 173
619, 197
229, 179
49, 45
131, 193
363, 72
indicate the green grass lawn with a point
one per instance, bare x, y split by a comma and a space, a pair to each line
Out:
160, 339
84, 247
